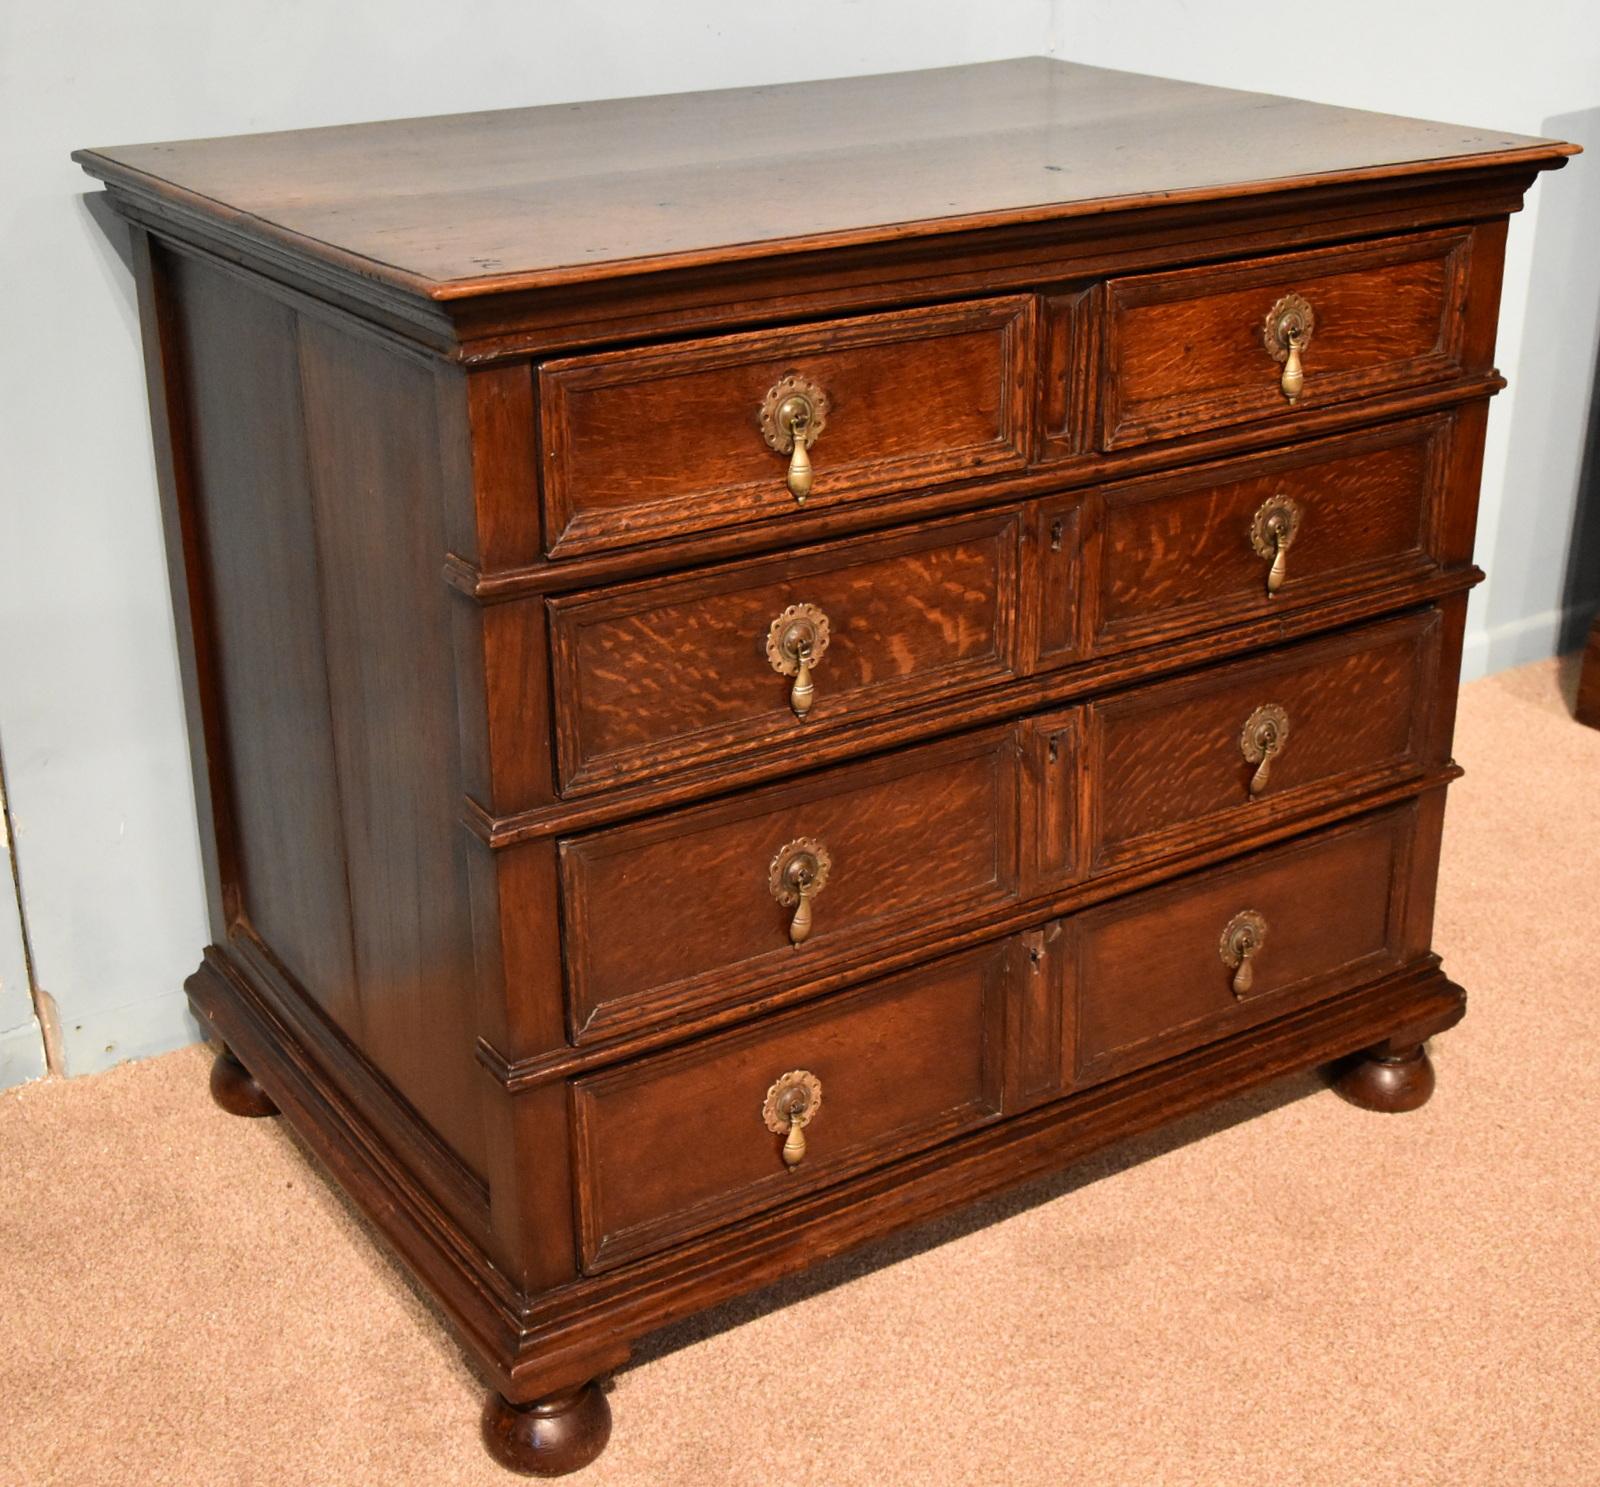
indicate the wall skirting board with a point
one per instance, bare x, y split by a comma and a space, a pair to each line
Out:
1533, 637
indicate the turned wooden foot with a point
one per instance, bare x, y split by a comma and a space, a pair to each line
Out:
234, 1087
551, 1436
1387, 1079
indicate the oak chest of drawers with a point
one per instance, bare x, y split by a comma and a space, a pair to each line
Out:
764, 664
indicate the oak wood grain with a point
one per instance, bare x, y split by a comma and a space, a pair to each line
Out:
1149, 978
463, 203
914, 841
659, 441
670, 671
676, 1144
1184, 351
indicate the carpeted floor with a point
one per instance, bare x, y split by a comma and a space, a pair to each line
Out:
1287, 1291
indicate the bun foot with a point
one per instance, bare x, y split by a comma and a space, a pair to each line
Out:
1387, 1079
551, 1436
234, 1088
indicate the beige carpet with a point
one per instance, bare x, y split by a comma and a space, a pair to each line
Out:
1288, 1291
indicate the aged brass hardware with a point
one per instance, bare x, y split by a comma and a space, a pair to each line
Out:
792, 416
1273, 530
796, 641
790, 1106
795, 877
1286, 333
1266, 731
1240, 944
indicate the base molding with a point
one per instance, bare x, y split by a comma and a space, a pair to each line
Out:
535, 1346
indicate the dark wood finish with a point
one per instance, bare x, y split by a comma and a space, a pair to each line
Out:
675, 1145
665, 440
1184, 351
669, 670
1148, 978
234, 1088
1588, 706
1163, 766
494, 201
474, 542
1170, 554
1389, 1079
915, 843
549, 1437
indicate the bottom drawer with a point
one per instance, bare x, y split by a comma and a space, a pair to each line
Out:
1177, 966
681, 1142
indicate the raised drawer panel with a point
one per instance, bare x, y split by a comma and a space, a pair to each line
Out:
1196, 551
678, 1143
1170, 766
1149, 975
661, 441
656, 675
683, 910
1187, 350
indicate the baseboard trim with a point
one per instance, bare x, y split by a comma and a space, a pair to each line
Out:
1535, 637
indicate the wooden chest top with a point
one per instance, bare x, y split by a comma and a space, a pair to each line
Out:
469, 204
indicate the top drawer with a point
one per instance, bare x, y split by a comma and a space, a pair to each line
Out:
1198, 348
661, 441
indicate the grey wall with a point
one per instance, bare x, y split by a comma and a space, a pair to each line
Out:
90, 713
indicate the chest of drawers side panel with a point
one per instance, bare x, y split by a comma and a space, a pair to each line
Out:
305, 492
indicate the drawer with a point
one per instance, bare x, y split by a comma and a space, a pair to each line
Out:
701, 906
1197, 551
1172, 766
1199, 348
660, 441
681, 1142
1159, 972
672, 672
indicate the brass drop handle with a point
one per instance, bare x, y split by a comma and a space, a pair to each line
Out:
1272, 532
792, 416
791, 1105
1241, 943
796, 875
1266, 731
1287, 333
796, 640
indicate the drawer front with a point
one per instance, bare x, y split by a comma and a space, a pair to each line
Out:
679, 1143
662, 441
684, 671
1193, 349
1150, 974
1197, 551
1171, 766
701, 906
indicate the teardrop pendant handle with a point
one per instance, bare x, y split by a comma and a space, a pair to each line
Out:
794, 1144
792, 1102
795, 876
796, 641
799, 477
802, 692
1261, 740
800, 924
1241, 943
792, 417
1293, 380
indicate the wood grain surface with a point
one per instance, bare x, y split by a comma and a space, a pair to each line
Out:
676, 1144
1149, 978
665, 670
1185, 351
458, 204
659, 441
